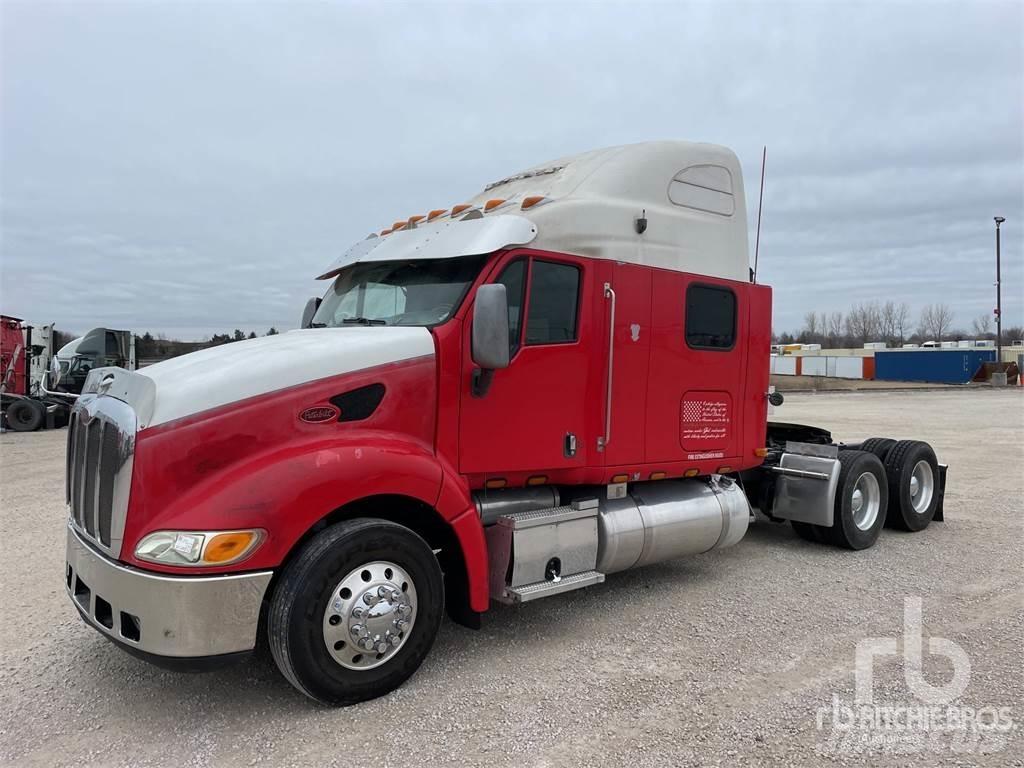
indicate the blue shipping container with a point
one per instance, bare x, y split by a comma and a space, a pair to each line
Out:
945, 366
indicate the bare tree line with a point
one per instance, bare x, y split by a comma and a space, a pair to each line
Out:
891, 322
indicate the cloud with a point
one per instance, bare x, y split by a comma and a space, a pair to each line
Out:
190, 167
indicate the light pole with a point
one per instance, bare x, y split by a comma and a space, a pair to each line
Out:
999, 301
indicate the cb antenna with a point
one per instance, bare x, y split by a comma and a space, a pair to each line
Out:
760, 202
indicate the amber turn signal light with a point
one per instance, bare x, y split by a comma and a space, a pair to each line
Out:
229, 547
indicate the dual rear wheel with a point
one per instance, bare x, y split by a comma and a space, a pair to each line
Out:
886, 482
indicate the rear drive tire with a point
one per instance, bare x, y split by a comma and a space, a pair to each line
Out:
913, 473
862, 497
24, 416
880, 446
356, 611
810, 532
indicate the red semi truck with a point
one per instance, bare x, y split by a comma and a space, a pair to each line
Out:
505, 400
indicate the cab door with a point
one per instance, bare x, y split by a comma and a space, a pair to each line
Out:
533, 417
697, 363
629, 307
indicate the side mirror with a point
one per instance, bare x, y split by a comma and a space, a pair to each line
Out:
307, 314
490, 335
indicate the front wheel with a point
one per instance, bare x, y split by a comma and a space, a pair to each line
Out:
356, 611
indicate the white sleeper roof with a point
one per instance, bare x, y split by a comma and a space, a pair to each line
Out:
690, 194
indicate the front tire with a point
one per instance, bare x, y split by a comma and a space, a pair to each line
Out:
356, 611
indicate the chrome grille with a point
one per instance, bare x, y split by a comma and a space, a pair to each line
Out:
101, 447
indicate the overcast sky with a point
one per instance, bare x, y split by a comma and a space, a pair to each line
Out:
190, 168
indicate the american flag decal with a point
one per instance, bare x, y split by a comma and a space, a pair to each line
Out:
693, 410
704, 419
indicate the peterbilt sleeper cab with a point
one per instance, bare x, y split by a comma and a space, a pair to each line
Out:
512, 398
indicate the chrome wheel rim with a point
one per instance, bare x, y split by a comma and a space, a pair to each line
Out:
866, 501
370, 615
922, 487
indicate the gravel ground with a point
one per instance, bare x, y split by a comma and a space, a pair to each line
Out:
726, 658
830, 383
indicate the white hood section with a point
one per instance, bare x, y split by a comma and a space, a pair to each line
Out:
230, 372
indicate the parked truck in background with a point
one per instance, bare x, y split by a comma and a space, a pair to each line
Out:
565, 377
26, 353
39, 385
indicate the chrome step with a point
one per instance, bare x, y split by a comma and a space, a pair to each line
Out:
541, 589
519, 521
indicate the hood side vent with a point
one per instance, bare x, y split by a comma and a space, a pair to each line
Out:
359, 404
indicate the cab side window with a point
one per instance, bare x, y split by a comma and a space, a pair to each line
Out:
513, 277
710, 317
554, 303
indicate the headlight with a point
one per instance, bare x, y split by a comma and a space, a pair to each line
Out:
198, 548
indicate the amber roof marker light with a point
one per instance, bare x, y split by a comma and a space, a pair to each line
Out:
533, 200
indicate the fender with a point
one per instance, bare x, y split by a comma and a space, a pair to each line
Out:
285, 490
456, 505
288, 490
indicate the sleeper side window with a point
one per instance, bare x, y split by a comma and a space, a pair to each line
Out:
710, 317
554, 303
513, 277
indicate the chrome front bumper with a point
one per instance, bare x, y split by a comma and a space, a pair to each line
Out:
170, 616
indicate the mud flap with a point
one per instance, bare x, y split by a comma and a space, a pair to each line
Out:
941, 491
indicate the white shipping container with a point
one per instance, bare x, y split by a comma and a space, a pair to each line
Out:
849, 367
814, 366
785, 365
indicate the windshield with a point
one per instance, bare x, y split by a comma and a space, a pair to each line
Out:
421, 292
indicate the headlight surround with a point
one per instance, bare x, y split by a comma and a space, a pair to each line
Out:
198, 549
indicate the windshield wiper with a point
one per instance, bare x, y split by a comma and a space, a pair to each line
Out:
363, 321
318, 325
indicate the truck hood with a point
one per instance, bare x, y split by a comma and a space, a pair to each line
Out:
224, 374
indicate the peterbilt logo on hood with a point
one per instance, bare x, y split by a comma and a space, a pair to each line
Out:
319, 414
